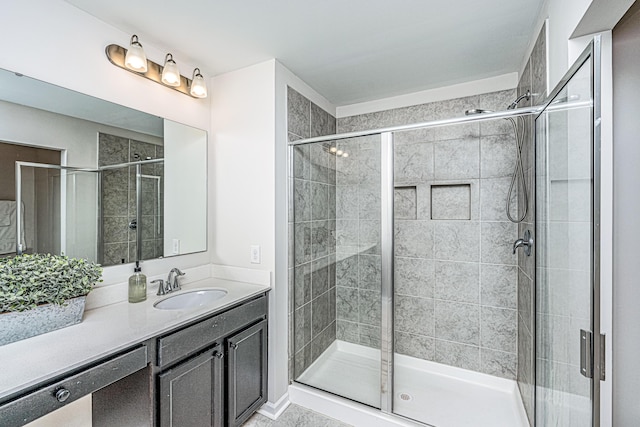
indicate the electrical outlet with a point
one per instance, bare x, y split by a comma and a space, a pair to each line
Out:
255, 254
176, 247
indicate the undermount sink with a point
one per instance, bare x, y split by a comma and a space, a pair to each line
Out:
191, 299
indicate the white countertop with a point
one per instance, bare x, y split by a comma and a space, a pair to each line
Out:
104, 331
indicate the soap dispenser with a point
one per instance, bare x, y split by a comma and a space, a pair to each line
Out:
137, 285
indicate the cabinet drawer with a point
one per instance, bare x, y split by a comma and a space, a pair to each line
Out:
184, 343
47, 399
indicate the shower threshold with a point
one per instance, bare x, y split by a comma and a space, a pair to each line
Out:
428, 392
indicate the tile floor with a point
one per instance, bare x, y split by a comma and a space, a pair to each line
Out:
294, 416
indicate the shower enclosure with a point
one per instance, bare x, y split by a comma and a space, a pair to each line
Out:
408, 292
71, 211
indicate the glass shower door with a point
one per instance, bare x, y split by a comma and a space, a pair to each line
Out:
336, 311
566, 320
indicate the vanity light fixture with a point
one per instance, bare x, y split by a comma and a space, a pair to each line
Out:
170, 73
135, 61
198, 85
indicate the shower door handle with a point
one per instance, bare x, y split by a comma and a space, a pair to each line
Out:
586, 350
526, 242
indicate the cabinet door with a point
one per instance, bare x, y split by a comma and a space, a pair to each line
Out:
191, 393
247, 373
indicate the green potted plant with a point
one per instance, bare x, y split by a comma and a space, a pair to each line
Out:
42, 292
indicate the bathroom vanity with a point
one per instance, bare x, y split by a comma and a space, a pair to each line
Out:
201, 367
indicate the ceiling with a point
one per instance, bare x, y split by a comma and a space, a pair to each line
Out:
347, 50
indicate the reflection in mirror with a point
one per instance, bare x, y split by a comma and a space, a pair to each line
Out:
140, 194
119, 200
56, 210
38, 234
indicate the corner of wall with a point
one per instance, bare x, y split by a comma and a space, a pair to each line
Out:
284, 77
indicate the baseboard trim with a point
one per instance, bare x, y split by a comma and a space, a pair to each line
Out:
274, 410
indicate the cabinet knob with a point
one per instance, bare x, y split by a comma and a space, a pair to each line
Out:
233, 345
218, 355
62, 394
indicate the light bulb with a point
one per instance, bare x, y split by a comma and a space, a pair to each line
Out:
170, 72
345, 154
333, 149
339, 152
135, 59
198, 85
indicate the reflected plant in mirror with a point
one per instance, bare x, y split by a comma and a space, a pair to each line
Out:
96, 180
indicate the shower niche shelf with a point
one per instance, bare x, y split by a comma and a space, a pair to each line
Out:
451, 202
405, 202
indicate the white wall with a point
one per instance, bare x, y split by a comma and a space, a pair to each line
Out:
243, 211
242, 140
626, 339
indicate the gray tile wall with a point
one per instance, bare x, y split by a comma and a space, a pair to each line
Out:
119, 200
312, 225
358, 268
534, 79
455, 276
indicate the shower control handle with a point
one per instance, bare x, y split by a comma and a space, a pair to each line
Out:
526, 242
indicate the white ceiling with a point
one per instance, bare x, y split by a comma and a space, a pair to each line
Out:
348, 50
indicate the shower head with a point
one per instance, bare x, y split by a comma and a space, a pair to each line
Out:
511, 106
477, 111
514, 104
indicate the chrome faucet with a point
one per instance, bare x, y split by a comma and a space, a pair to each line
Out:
175, 284
526, 242
163, 288
171, 284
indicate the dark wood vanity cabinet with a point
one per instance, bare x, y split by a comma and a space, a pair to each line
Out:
214, 373
246, 370
191, 394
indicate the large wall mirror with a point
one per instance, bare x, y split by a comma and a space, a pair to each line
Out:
92, 179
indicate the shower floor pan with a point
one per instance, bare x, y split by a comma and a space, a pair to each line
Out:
432, 393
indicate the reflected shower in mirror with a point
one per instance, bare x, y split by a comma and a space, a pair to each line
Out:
119, 200
93, 201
